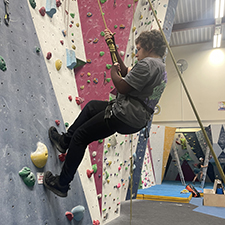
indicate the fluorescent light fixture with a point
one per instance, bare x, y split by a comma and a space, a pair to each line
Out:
217, 7
217, 40
219, 37
221, 8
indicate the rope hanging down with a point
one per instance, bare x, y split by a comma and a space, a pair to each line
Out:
189, 98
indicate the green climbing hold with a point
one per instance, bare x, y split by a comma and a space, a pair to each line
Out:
66, 124
38, 49
106, 151
32, 3
108, 66
103, 1
27, 176
186, 157
102, 33
2, 64
72, 15
121, 142
111, 87
100, 141
129, 5
107, 175
101, 53
88, 81
115, 26
94, 167
108, 79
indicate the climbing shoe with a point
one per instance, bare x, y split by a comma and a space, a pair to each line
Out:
52, 183
57, 139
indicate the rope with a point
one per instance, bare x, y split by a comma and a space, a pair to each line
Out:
131, 149
103, 18
189, 97
112, 47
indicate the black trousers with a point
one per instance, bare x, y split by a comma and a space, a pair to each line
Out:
89, 126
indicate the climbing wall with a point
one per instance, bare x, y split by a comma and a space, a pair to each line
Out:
29, 106
196, 148
116, 170
147, 173
218, 140
59, 34
41, 46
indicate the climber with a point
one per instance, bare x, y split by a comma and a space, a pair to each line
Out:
198, 170
139, 90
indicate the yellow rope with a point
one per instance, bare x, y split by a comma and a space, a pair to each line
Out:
189, 98
99, 4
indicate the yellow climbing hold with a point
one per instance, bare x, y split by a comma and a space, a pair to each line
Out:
108, 180
108, 145
82, 87
40, 156
133, 54
73, 47
77, 24
141, 17
133, 29
58, 64
110, 162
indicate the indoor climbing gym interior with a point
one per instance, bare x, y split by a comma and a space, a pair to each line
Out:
54, 59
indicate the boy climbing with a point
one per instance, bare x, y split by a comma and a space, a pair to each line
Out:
139, 90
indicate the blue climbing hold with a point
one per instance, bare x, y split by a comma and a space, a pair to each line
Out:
78, 212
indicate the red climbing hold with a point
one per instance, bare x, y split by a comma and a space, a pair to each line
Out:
70, 97
58, 3
96, 222
62, 157
42, 11
49, 55
57, 122
62, 42
79, 100
178, 142
69, 215
89, 173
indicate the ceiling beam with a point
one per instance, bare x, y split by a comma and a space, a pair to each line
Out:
195, 24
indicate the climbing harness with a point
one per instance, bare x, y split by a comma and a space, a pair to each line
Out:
6, 18
189, 97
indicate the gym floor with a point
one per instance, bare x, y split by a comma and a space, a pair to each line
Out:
150, 212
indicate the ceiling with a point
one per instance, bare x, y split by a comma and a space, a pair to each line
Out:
194, 22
